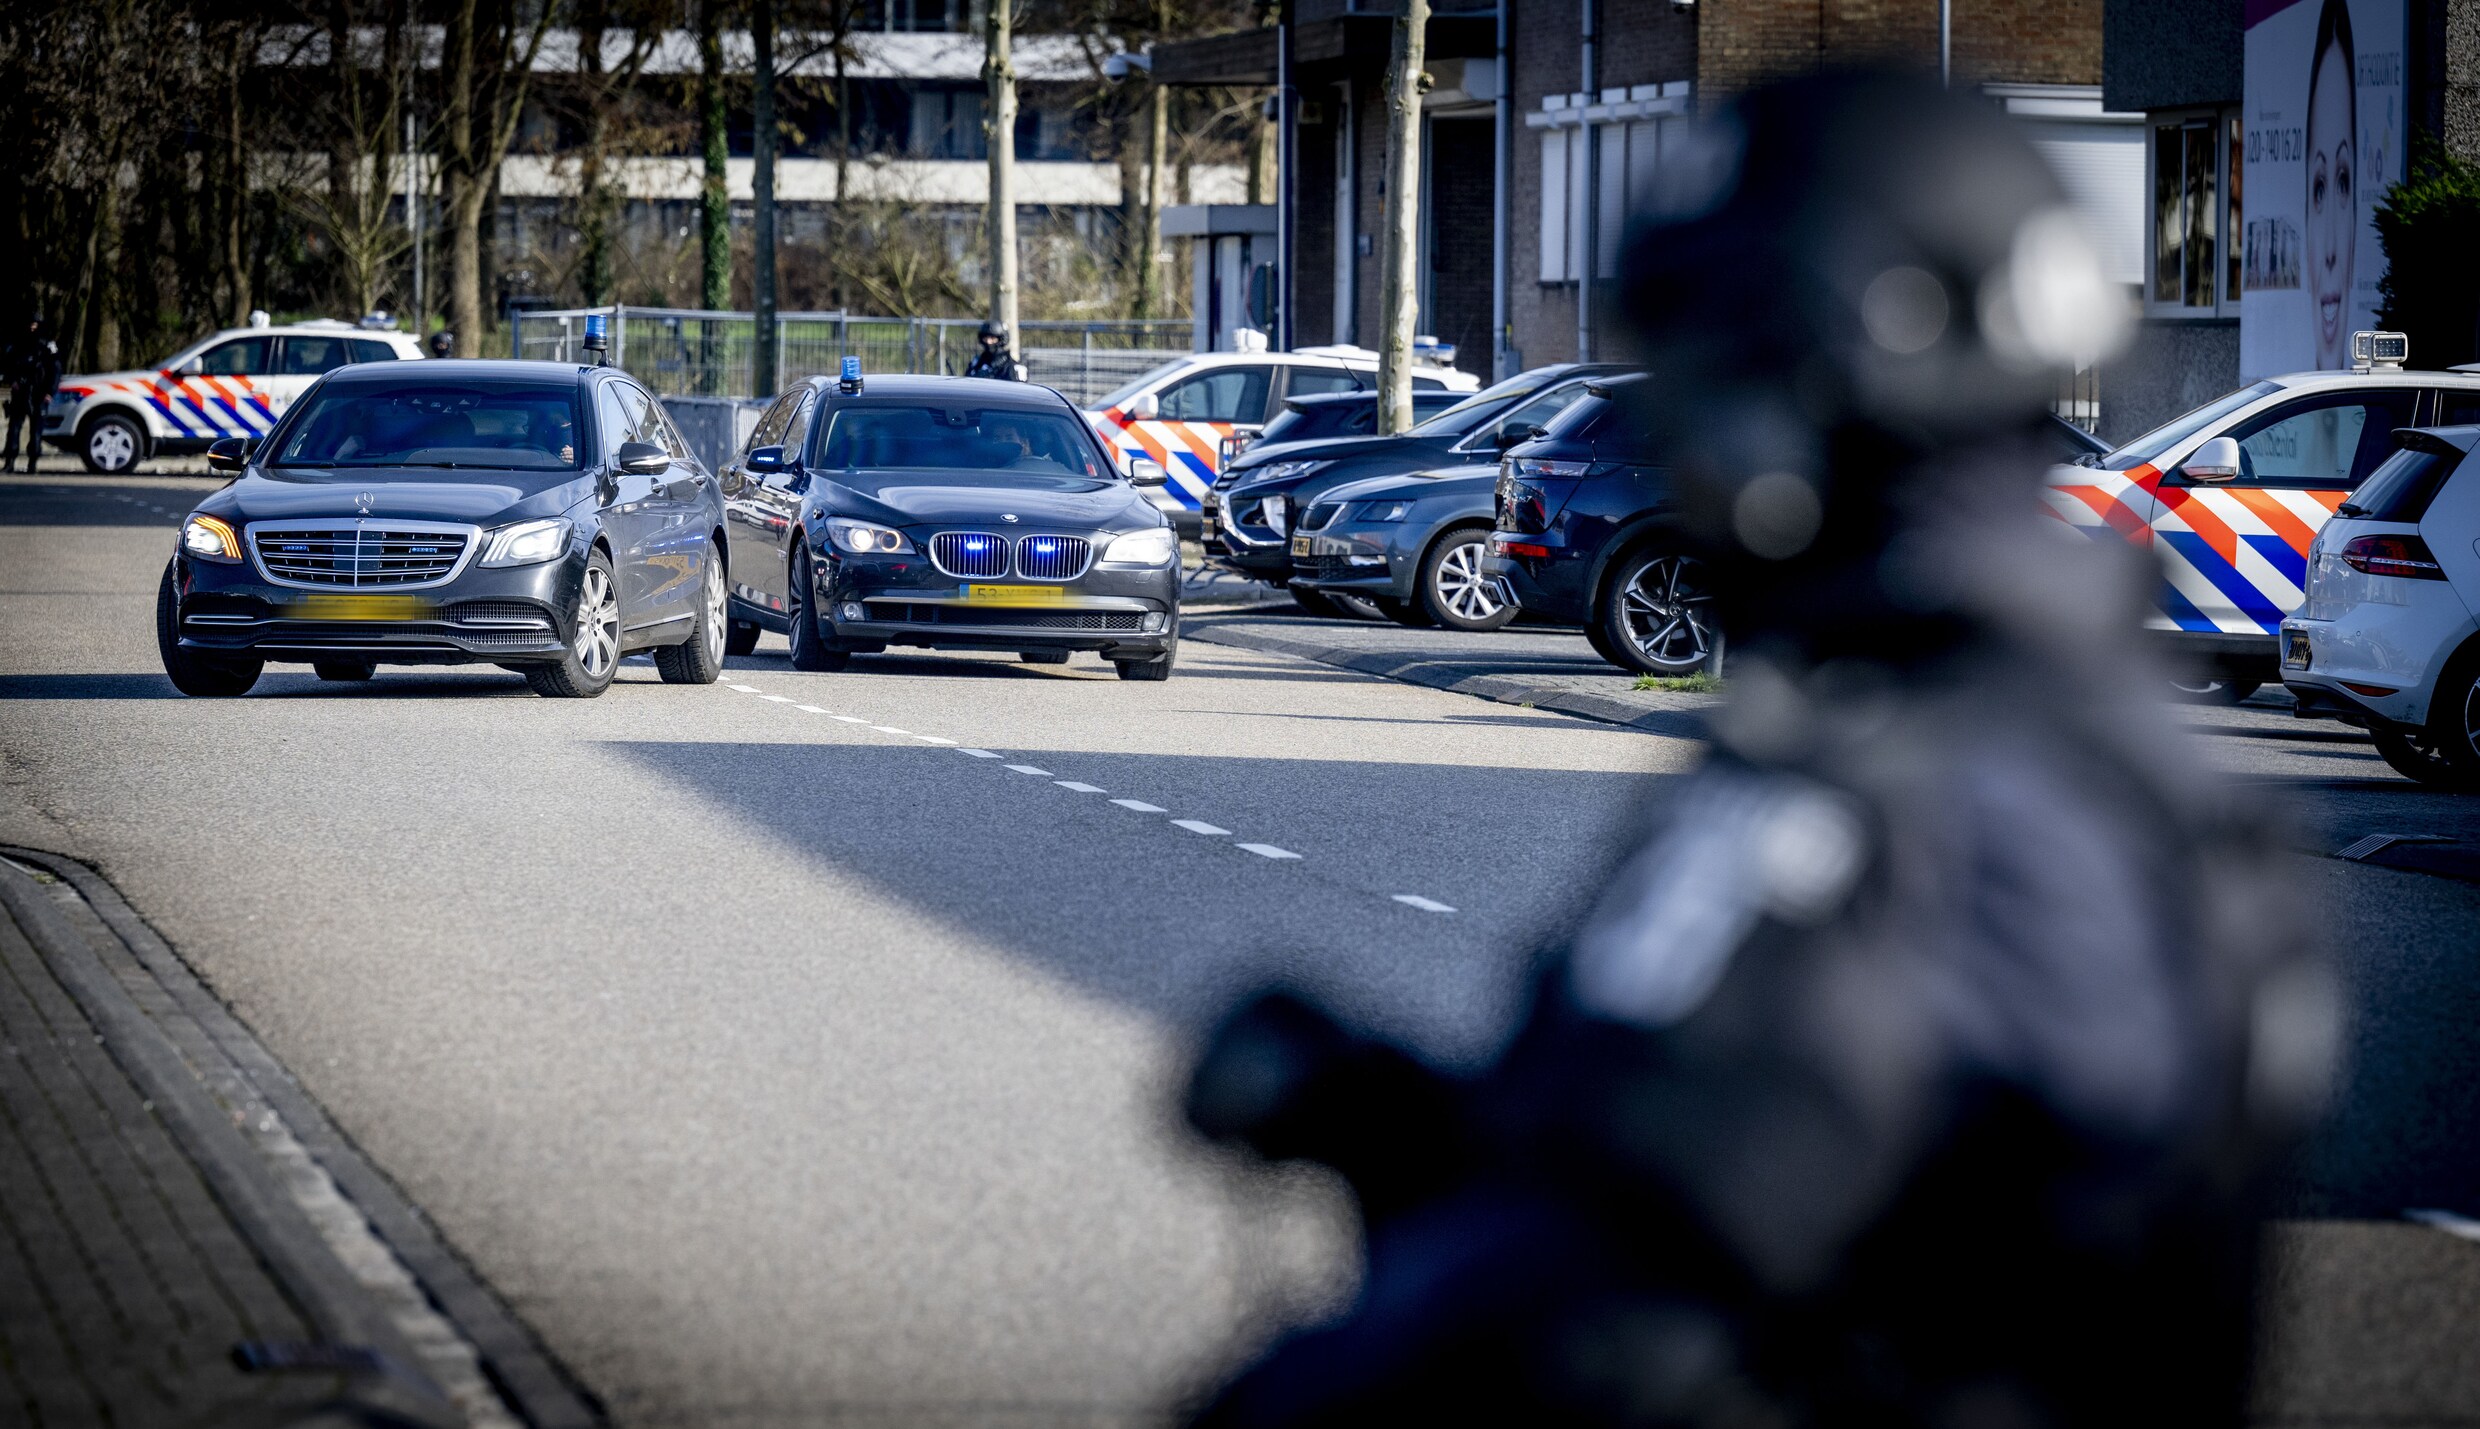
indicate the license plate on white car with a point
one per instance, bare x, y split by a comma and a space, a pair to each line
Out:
2295, 652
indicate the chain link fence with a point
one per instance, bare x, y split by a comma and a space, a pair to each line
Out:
687, 352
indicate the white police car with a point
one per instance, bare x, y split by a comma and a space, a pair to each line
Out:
233, 384
2230, 495
2389, 636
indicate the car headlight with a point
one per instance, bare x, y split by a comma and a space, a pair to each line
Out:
210, 539
526, 543
862, 538
1283, 471
1368, 511
1142, 548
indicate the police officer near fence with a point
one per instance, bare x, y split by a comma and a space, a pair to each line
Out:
1924, 1064
30, 363
993, 359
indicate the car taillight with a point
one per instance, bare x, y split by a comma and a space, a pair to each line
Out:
2404, 556
1506, 547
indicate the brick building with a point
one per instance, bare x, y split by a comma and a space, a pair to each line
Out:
1526, 184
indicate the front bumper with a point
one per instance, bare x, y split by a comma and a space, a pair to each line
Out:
511, 616
1356, 560
1247, 547
877, 601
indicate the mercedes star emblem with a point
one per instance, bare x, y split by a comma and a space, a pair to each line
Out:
365, 501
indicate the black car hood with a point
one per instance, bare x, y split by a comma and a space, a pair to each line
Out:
479, 498
1337, 449
1418, 485
950, 497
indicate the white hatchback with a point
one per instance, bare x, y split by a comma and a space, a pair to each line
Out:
2388, 637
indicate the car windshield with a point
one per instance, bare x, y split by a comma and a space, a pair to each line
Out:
1122, 395
2169, 434
1009, 439
525, 425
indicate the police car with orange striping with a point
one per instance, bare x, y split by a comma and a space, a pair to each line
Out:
236, 383
2231, 495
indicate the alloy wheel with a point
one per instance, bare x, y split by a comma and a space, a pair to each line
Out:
598, 624
1666, 616
716, 618
1460, 585
112, 447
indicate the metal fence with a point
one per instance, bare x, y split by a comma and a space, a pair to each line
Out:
688, 352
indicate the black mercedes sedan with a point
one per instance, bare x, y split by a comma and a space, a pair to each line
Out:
543, 517
1583, 534
1250, 509
955, 513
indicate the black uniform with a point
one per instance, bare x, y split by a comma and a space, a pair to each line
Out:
32, 366
1922, 1066
994, 359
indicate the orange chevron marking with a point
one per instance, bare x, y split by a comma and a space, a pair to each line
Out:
2278, 518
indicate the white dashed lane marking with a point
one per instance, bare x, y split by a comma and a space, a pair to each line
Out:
1272, 852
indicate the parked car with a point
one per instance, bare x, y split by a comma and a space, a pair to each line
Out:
1333, 414
1248, 513
1178, 414
2387, 637
1412, 545
237, 383
950, 512
2230, 495
540, 516
1582, 536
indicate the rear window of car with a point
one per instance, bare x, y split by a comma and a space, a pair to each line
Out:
528, 425
2401, 489
1012, 439
371, 349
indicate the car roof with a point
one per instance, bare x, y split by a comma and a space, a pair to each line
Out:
316, 327
2313, 381
905, 386
434, 369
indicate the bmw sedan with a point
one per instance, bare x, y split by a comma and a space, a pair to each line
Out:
955, 513
542, 517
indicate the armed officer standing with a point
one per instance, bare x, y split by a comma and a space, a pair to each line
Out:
1923, 1066
31, 366
993, 359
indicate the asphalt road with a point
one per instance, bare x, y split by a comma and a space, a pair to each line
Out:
798, 1049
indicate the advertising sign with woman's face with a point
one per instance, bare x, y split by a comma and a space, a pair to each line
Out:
2324, 138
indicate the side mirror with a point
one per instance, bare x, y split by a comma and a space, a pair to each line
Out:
191, 368
1145, 471
1146, 408
2216, 460
764, 459
229, 454
644, 459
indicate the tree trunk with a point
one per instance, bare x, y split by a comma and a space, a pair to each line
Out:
1399, 285
762, 191
714, 193
593, 219
999, 130
1149, 221
236, 186
465, 184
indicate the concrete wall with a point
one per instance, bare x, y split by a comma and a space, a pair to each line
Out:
2176, 364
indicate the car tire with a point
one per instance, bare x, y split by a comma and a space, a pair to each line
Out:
810, 649
1450, 587
1596, 637
112, 444
1318, 603
207, 676
1406, 613
741, 638
2416, 757
698, 660
585, 669
1356, 607
2212, 690
2454, 719
344, 671
1043, 657
1158, 668
1656, 617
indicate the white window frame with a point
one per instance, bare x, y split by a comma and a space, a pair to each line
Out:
2228, 230
1619, 122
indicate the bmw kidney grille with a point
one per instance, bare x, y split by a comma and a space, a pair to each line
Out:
1052, 558
970, 553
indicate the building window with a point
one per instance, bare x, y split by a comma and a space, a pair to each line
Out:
2195, 264
1562, 199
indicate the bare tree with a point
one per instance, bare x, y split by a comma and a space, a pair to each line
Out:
763, 139
365, 95
714, 190
1399, 294
999, 128
600, 91
480, 120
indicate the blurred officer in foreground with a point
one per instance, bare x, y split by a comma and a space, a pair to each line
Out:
993, 359
1923, 1066
30, 363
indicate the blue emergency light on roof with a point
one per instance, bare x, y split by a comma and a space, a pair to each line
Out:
595, 341
852, 375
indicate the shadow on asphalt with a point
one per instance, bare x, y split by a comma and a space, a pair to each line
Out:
1123, 906
94, 506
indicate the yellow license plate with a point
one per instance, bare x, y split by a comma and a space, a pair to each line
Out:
1013, 594
361, 607
1300, 545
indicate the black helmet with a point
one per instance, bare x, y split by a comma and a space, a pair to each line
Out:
1840, 277
443, 343
992, 332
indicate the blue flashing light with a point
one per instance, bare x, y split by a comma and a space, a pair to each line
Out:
852, 369
977, 544
595, 329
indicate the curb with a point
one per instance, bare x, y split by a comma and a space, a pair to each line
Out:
1685, 720
213, 1078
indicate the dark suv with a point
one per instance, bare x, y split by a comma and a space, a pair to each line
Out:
1582, 534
